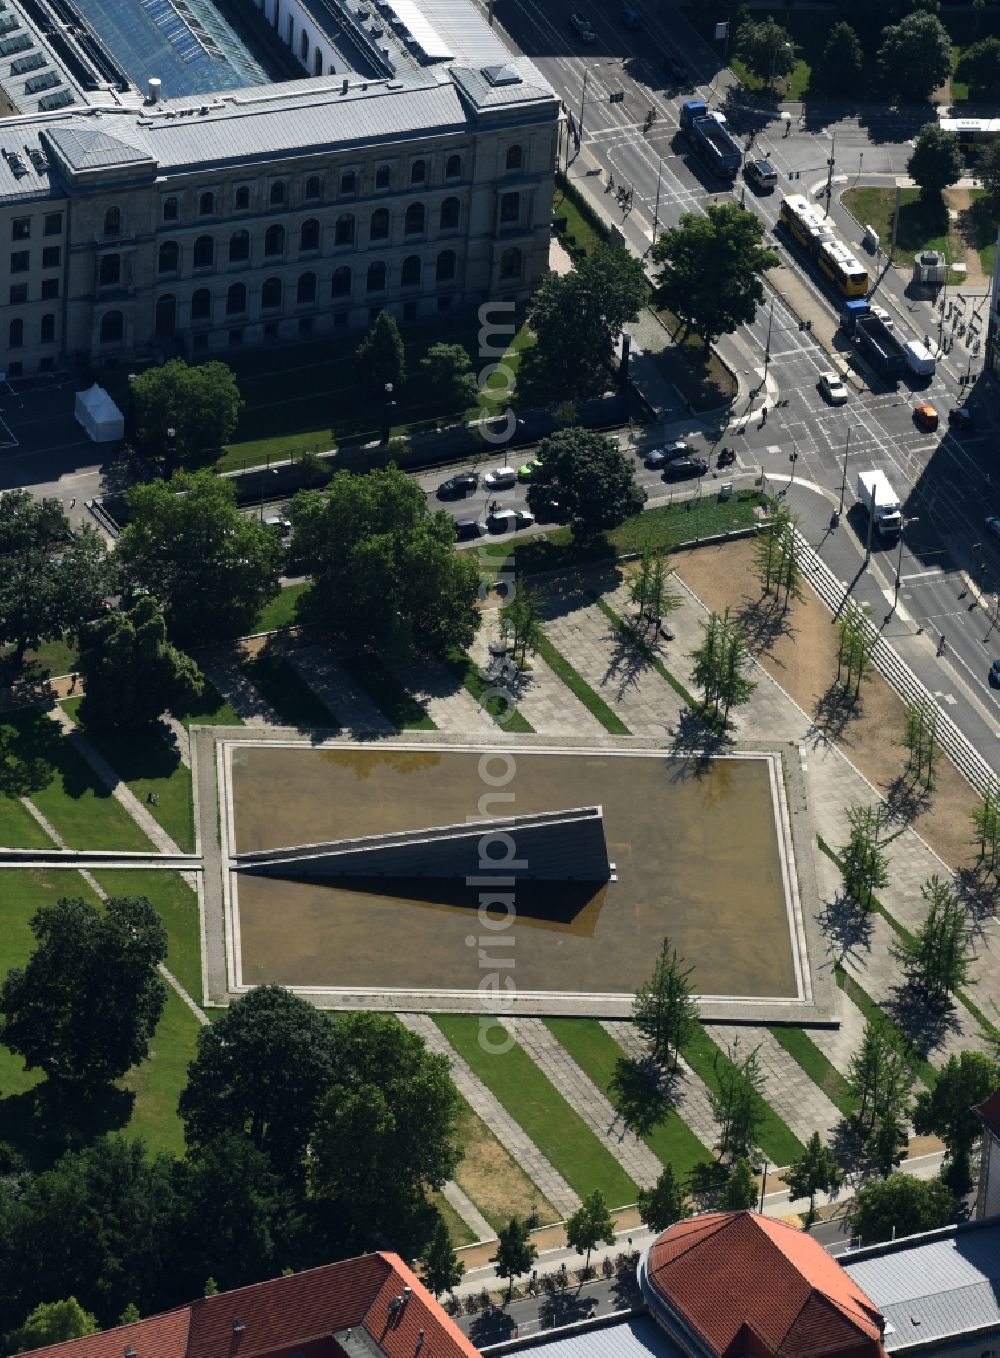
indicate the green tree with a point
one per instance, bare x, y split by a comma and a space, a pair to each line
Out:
815, 1171
448, 378
768, 547
947, 1109
664, 1009
937, 959
720, 664
915, 56
130, 1316
737, 1101
260, 1072
187, 544
442, 1269
880, 1074
52, 1322
936, 161
766, 47
740, 1192
576, 319
711, 267
864, 864
200, 403
979, 68
856, 640
132, 672
900, 1205
384, 572
515, 1252
921, 740
664, 1203
590, 1224
839, 70
986, 819
586, 481
649, 588
381, 357
50, 581
988, 170
521, 622
384, 1134
84, 1006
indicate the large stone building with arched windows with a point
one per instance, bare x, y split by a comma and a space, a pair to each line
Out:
411, 170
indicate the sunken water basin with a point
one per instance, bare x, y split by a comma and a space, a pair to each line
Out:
695, 847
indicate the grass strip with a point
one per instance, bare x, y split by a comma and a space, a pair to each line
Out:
280, 612
210, 710
177, 906
471, 677
557, 1129
653, 659
579, 687
81, 809
492, 1178
598, 1054
777, 1140
18, 827
459, 1233
823, 1073
150, 766
873, 1011
288, 693
157, 1082
396, 702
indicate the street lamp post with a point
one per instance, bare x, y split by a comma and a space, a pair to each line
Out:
899, 559
793, 458
843, 479
656, 208
767, 346
390, 405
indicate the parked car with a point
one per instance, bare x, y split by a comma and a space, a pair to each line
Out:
509, 520
668, 452
961, 417
993, 526
832, 388
500, 478
526, 472
467, 529
279, 523
684, 467
926, 416
995, 674
581, 26
457, 485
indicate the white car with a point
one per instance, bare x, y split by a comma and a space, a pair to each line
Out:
832, 388
500, 477
993, 526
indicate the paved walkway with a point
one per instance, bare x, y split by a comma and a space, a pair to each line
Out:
468, 1211
349, 706
580, 1092
224, 669
450, 707
488, 1107
542, 697
690, 1095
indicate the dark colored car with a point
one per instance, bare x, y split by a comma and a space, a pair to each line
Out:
960, 417
683, 467
669, 452
457, 486
995, 674
467, 529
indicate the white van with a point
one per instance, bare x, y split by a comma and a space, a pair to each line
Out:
919, 358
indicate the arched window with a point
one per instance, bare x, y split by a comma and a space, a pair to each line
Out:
274, 240
317, 62
510, 263
376, 278
168, 258
344, 230
201, 305
206, 205
515, 157
340, 284
383, 177
313, 189
170, 210
239, 246
418, 172
166, 315
510, 207
112, 327
270, 294
236, 299
304, 46
109, 271
306, 289
48, 329
453, 169
379, 229
309, 235
277, 195
415, 216
113, 221
242, 198
15, 334
348, 182
410, 276
204, 252
450, 210
445, 270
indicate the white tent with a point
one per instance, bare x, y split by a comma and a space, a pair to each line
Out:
99, 415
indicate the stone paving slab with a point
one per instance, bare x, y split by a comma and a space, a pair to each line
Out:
488, 1107
691, 1098
348, 704
838, 1045
224, 669
468, 1211
450, 706
580, 1092
796, 1098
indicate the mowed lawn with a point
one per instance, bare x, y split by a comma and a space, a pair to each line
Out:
18, 827
177, 906
158, 1081
537, 1106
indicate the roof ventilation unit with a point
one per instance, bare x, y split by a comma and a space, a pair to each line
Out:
153, 90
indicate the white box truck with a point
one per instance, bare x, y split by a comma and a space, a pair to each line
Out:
919, 359
881, 503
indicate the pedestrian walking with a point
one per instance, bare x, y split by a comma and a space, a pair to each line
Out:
73, 679
763, 417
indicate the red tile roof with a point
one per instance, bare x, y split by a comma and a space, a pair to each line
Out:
748, 1284
284, 1315
989, 1111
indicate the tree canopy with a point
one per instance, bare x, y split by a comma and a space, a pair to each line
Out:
979, 68
816, 1170
380, 358
384, 570
590, 1225
515, 1252
442, 1269
937, 959
947, 1110
84, 1006
576, 319
900, 1205
988, 169
915, 55
132, 672
936, 161
52, 1322
766, 47
211, 567
584, 480
664, 1203
448, 378
200, 403
711, 267
839, 70
664, 1009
